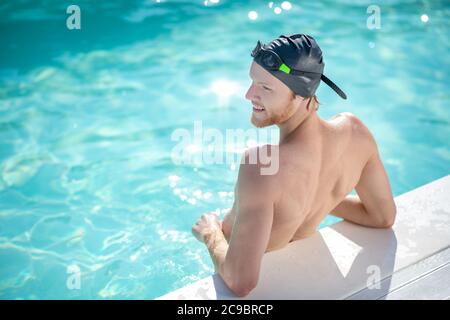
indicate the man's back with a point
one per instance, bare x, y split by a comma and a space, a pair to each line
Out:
335, 164
329, 166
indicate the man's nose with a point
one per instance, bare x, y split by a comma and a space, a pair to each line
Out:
250, 93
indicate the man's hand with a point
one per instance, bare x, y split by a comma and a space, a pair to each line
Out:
206, 225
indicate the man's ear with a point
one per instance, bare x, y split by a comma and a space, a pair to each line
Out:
308, 101
298, 100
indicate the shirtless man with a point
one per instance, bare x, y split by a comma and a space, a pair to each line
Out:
320, 163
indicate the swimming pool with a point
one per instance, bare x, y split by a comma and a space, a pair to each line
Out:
88, 183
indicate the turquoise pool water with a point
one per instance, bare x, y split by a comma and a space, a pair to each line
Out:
86, 118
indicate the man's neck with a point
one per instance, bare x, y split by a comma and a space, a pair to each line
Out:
301, 125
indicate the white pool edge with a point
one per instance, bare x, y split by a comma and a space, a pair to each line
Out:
347, 261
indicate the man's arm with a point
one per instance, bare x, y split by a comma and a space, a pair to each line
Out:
229, 218
374, 206
238, 263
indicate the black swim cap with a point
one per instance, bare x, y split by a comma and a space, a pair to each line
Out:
299, 64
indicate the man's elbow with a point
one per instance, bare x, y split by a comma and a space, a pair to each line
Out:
243, 289
388, 219
241, 278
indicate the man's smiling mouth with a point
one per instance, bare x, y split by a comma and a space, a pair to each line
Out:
257, 108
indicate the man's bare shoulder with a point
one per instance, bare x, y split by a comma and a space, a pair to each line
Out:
360, 133
259, 170
255, 160
357, 125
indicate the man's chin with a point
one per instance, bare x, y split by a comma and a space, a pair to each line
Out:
261, 123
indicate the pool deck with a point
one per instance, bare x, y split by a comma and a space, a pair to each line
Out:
346, 261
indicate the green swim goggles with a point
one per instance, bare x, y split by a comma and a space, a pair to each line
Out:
272, 61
